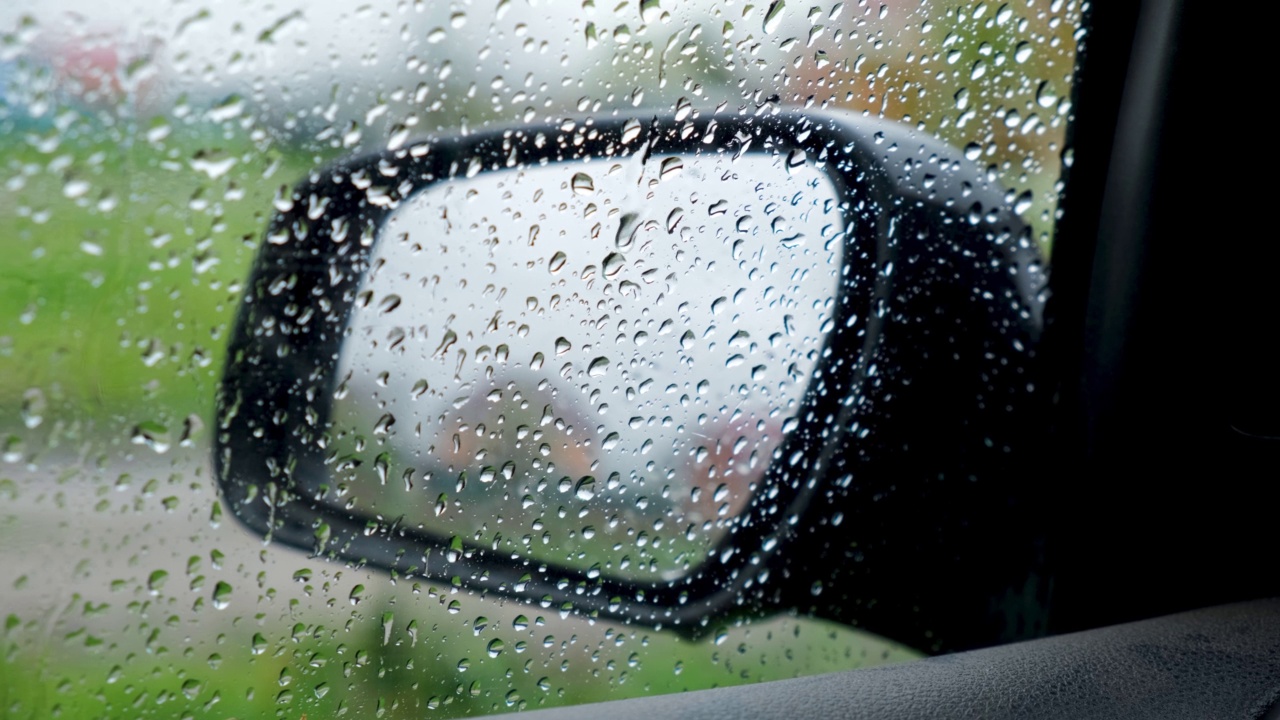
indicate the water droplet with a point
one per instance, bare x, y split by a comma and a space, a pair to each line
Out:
229, 108
556, 263
670, 167
674, 218
152, 434
563, 346
613, 263
773, 16
598, 367
1046, 97
448, 341
388, 622
212, 164
586, 488
631, 130
33, 407
13, 449
583, 184
221, 595
627, 227
650, 10
795, 160
389, 303
156, 581
75, 188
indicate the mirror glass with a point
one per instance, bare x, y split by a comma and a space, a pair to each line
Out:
588, 364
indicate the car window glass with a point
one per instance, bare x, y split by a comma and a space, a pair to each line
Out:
143, 148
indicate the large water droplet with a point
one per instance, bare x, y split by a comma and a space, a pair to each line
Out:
613, 263
1046, 97
152, 434
671, 167
650, 10
583, 184
631, 130
156, 581
389, 303
627, 227
221, 595
673, 219
773, 16
598, 367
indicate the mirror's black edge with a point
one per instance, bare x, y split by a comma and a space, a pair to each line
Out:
1216, 662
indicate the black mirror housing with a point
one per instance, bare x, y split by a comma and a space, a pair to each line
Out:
905, 434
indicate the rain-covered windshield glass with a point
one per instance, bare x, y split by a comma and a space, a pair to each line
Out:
143, 149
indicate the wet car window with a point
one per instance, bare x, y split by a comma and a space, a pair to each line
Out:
143, 150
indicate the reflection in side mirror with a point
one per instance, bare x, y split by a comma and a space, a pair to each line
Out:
643, 368
588, 365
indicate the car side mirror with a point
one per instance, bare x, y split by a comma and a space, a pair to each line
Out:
656, 369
